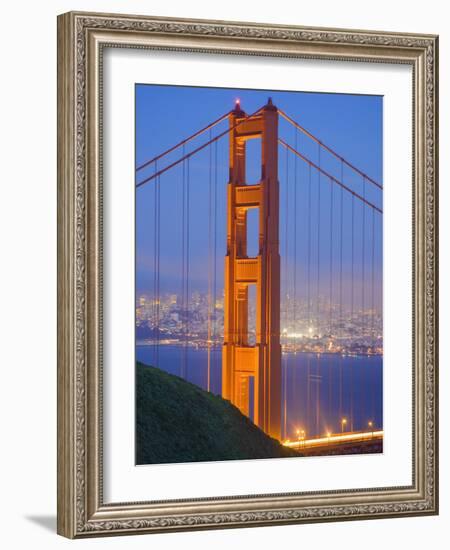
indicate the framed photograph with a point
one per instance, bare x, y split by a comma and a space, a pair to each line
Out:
247, 277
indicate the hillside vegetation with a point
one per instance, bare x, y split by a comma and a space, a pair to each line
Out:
179, 422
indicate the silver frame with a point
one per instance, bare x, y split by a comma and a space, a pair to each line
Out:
81, 40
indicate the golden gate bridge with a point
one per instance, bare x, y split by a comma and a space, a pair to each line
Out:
331, 210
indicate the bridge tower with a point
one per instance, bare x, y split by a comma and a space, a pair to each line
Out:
242, 362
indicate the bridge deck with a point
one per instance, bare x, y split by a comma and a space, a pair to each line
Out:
336, 441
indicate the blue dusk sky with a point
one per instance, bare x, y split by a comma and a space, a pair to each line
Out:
315, 215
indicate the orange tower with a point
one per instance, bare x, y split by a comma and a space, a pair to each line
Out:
240, 361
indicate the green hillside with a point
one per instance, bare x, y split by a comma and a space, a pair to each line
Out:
179, 422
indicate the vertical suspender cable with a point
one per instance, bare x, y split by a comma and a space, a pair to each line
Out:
208, 374
362, 377
318, 383
158, 290
215, 252
294, 372
308, 377
352, 306
155, 268
341, 330
187, 260
331, 260
330, 306
372, 290
183, 267
286, 279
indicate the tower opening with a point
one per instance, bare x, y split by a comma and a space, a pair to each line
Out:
252, 232
251, 304
253, 161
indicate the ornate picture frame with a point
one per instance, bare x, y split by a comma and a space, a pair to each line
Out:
82, 38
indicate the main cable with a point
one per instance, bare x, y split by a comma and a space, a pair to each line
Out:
329, 149
183, 142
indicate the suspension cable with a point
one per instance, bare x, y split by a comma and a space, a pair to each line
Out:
154, 304
158, 289
318, 243
183, 267
352, 306
372, 319
183, 142
331, 301
373, 283
188, 177
308, 386
328, 175
295, 302
208, 376
318, 292
215, 247
331, 260
329, 149
363, 295
295, 245
200, 148
286, 267
341, 330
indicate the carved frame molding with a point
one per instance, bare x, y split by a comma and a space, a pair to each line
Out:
81, 39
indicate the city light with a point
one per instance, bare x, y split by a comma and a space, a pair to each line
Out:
294, 334
169, 314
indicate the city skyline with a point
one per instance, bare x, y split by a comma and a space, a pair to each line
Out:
349, 331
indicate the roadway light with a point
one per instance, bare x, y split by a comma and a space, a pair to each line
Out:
300, 434
343, 423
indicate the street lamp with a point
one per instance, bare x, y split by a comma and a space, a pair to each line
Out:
370, 424
300, 435
343, 423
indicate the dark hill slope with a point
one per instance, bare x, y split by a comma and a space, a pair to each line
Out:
179, 422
